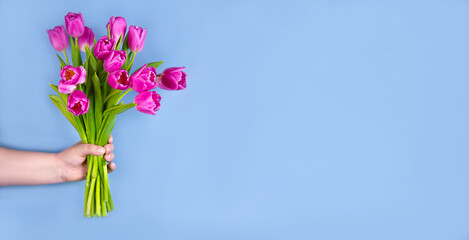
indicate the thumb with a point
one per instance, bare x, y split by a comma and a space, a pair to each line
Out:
89, 149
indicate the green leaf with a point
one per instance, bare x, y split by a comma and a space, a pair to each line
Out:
124, 46
88, 52
127, 60
62, 63
113, 93
119, 108
61, 106
98, 101
63, 96
118, 43
90, 118
155, 64
106, 129
91, 61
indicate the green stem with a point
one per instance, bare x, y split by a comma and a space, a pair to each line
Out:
123, 94
131, 62
111, 204
66, 57
80, 62
87, 185
98, 196
113, 92
89, 209
106, 181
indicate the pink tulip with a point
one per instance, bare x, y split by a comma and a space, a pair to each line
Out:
103, 47
173, 79
74, 24
58, 38
71, 77
86, 39
148, 102
119, 79
117, 27
144, 79
78, 103
136, 39
114, 61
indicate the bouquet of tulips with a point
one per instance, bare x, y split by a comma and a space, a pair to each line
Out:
90, 92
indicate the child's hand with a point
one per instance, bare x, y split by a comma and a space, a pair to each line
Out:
72, 161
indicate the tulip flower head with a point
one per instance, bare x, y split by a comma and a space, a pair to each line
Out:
86, 39
144, 79
173, 79
103, 47
74, 24
117, 27
71, 77
148, 102
58, 38
136, 39
114, 61
78, 103
119, 79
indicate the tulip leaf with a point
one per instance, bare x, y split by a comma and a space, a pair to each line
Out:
155, 64
91, 61
61, 106
90, 118
63, 96
113, 93
61, 103
118, 43
106, 130
98, 100
62, 63
127, 59
119, 108
124, 46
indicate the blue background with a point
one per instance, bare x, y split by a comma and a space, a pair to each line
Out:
301, 120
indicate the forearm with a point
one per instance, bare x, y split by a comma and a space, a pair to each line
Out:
28, 168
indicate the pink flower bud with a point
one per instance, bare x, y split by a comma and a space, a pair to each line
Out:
144, 79
103, 47
71, 77
86, 39
148, 102
78, 103
114, 61
119, 79
117, 27
173, 79
58, 38
136, 39
74, 24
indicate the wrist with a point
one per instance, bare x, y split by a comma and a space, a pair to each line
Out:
59, 168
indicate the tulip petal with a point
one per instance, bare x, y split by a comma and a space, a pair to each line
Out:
66, 88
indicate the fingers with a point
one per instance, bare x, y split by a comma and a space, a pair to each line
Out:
109, 156
110, 139
89, 149
111, 167
109, 148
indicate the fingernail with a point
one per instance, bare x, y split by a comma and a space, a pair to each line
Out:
101, 150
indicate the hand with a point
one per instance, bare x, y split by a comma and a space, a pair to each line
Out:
72, 161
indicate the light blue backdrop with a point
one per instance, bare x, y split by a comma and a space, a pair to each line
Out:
301, 120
